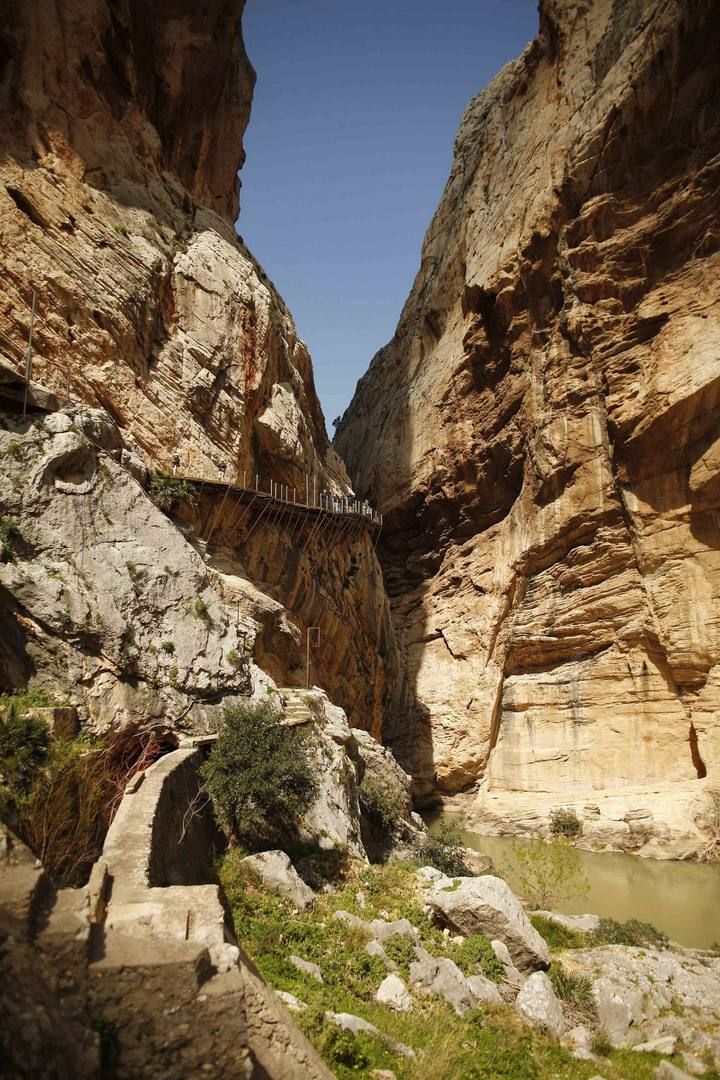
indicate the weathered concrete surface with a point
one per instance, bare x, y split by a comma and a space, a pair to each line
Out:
164, 946
541, 432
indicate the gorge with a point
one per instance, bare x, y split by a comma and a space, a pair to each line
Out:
536, 626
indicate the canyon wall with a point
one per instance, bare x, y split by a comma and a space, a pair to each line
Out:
121, 129
542, 430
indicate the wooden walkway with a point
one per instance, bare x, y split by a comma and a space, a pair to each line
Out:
231, 509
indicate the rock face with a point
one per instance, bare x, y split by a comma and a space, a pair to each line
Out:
541, 432
121, 134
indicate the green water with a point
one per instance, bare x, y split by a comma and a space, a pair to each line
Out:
680, 898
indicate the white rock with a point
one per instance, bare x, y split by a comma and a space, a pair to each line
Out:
487, 905
307, 967
667, 1071
585, 923
349, 1022
538, 1004
276, 871
484, 989
441, 977
394, 993
665, 1044
290, 1001
429, 875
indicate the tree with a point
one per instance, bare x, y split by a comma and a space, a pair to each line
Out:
259, 774
547, 872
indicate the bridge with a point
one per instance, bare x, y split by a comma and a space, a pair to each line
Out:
232, 512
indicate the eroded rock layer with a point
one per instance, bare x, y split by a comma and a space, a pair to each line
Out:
542, 430
121, 130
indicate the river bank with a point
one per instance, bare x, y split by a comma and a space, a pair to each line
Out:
681, 898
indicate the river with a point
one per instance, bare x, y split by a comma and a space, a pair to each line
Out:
680, 898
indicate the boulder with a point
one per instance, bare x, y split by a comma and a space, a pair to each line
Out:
349, 1022
307, 967
487, 905
667, 1071
538, 1004
512, 974
664, 1044
290, 1001
441, 977
394, 993
484, 989
277, 872
584, 923
374, 948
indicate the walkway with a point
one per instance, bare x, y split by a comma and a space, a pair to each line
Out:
233, 508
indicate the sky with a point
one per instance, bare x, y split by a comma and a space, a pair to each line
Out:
349, 147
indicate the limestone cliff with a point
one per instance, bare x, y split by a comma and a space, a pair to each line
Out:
542, 430
121, 131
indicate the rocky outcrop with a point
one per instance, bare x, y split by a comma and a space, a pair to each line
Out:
118, 194
541, 430
487, 905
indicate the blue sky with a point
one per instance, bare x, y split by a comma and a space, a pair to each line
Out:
349, 146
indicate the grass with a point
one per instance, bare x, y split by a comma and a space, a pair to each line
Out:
632, 932
557, 937
488, 1043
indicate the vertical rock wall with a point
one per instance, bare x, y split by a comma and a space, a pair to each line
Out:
542, 431
121, 128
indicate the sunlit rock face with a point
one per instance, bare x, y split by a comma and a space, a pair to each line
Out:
121, 127
542, 430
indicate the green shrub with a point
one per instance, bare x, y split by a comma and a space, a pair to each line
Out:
10, 538
475, 955
14, 449
401, 950
632, 932
201, 610
259, 773
576, 990
169, 491
565, 822
24, 742
445, 851
557, 936
381, 804
601, 1044
168, 647
548, 872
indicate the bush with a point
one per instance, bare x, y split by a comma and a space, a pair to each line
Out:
556, 935
60, 795
445, 851
169, 491
565, 822
476, 955
601, 1044
381, 804
632, 932
10, 538
259, 773
24, 742
549, 872
576, 990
